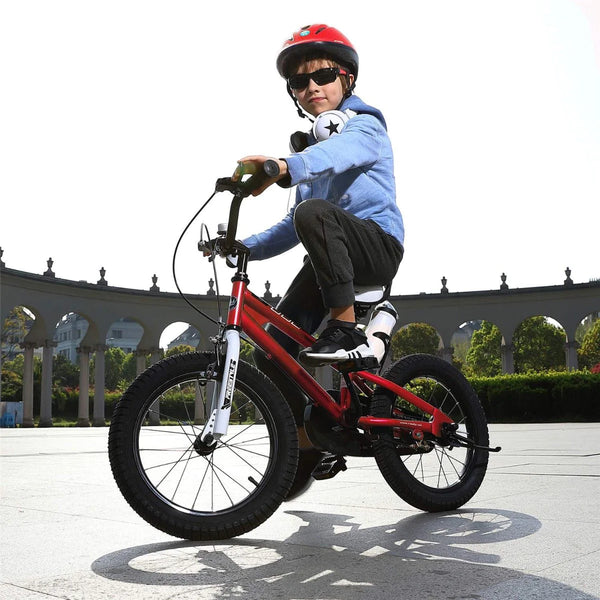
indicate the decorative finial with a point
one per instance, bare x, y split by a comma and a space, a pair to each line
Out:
49, 272
504, 285
210, 291
444, 289
102, 281
268, 295
568, 280
154, 287
2, 265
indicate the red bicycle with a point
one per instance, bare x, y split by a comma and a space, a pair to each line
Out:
204, 446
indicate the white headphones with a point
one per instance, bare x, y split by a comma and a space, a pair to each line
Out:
330, 123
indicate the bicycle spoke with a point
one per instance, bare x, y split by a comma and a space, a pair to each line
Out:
244, 460
174, 465
169, 452
200, 485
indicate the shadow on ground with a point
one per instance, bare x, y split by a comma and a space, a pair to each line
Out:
330, 556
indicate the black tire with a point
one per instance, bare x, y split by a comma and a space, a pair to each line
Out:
441, 477
178, 484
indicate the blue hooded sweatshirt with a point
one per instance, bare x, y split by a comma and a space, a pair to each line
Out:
354, 170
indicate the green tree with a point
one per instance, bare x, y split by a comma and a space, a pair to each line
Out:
113, 365
586, 325
14, 330
589, 353
64, 372
129, 369
414, 339
484, 357
12, 379
539, 346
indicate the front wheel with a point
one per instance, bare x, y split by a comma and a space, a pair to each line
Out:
432, 474
179, 484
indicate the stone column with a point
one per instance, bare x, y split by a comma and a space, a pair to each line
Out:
28, 384
571, 355
46, 394
154, 415
99, 402
140, 361
447, 353
83, 414
508, 361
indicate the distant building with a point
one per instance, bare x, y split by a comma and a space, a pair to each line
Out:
124, 333
190, 337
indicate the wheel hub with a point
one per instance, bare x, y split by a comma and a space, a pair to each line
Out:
203, 448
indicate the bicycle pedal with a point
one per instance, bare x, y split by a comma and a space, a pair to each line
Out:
329, 467
359, 364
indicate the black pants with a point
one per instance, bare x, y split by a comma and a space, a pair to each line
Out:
342, 250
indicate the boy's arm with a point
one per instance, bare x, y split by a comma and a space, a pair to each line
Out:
273, 241
359, 145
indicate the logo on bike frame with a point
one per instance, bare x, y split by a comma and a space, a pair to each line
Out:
232, 302
230, 382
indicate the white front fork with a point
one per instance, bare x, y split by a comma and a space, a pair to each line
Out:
220, 407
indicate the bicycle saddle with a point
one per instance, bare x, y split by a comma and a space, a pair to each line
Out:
366, 296
369, 294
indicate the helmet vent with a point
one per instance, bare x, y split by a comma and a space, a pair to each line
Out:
320, 29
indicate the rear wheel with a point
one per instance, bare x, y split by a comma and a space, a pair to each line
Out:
179, 484
431, 475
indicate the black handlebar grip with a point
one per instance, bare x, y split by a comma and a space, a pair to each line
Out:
271, 168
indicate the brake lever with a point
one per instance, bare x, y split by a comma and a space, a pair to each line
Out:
226, 184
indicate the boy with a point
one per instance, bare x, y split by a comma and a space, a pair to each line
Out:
345, 212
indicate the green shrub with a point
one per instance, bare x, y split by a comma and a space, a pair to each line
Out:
540, 397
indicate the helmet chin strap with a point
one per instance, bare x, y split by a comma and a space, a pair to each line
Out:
300, 110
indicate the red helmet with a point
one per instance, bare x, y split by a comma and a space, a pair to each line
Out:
318, 38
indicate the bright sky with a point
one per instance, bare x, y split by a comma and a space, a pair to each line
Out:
117, 117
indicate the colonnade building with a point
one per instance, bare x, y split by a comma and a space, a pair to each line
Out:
107, 309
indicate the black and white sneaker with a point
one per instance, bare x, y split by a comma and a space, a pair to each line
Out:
338, 342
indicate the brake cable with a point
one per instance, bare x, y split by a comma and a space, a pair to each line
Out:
240, 189
181, 293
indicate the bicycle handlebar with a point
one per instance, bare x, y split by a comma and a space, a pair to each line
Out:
243, 189
240, 190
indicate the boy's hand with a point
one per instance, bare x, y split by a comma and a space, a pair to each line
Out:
251, 164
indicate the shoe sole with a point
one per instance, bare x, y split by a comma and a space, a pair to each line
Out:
314, 359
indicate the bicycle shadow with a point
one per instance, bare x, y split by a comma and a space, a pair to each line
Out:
331, 556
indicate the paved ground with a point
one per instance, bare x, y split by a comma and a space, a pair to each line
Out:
532, 531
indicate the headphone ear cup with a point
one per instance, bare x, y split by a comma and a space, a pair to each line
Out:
328, 124
298, 141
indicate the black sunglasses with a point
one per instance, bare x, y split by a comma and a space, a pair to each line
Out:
320, 77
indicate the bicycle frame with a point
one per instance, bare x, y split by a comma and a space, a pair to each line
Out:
249, 313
